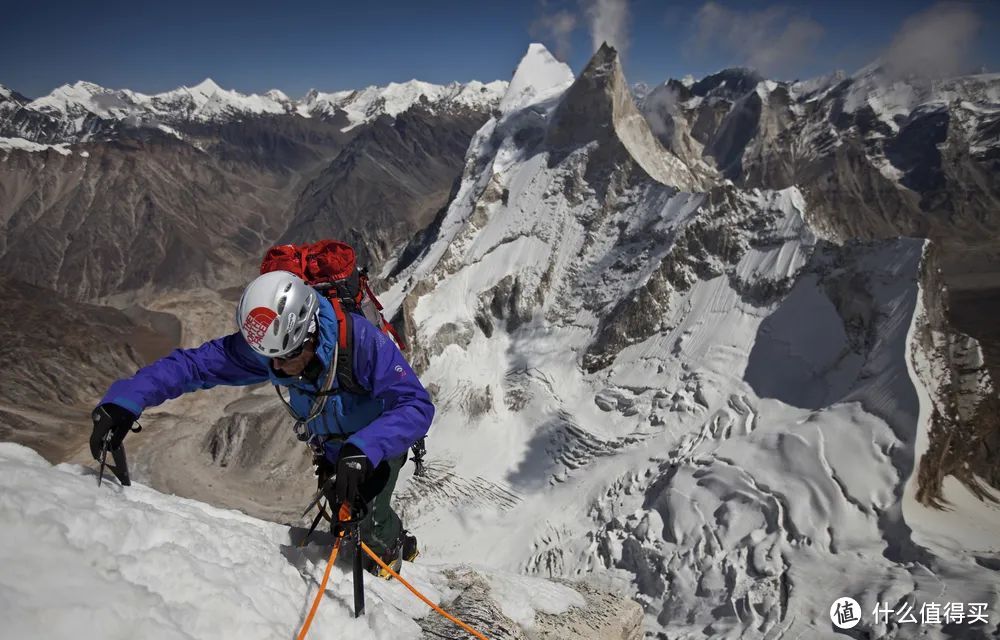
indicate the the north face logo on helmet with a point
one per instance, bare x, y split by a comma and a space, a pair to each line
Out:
257, 323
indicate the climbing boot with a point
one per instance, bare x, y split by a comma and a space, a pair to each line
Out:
404, 549
393, 558
409, 544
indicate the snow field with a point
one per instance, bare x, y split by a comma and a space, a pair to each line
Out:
117, 562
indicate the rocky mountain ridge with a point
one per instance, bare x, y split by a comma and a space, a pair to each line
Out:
877, 155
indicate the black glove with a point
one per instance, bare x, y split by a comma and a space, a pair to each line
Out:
353, 469
109, 417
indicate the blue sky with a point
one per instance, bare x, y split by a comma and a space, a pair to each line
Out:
254, 46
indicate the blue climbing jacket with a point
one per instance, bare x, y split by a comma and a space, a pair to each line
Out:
383, 423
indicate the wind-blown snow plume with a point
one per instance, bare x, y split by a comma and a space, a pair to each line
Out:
608, 23
934, 43
773, 40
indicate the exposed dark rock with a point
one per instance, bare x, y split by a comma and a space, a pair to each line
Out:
387, 184
915, 150
735, 131
601, 94
158, 213
729, 83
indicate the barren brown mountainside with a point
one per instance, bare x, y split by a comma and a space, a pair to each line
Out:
58, 355
134, 238
387, 183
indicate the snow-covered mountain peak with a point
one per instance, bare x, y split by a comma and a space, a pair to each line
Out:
892, 97
84, 98
539, 76
77, 111
66, 94
206, 87
813, 88
278, 95
480, 95
728, 83
9, 96
207, 101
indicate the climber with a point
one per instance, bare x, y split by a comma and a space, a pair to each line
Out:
360, 408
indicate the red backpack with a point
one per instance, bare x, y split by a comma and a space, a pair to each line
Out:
330, 267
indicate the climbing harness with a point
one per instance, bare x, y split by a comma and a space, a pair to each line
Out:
318, 403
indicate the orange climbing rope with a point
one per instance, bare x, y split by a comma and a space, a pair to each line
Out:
420, 595
322, 590
345, 514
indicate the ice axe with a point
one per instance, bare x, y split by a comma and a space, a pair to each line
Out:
120, 466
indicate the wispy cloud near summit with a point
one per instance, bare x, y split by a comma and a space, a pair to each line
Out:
774, 40
934, 43
557, 28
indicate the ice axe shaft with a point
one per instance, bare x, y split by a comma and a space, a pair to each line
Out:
359, 576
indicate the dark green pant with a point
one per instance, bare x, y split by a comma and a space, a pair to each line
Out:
382, 527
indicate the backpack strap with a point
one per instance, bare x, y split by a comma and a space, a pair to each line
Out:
367, 289
386, 326
395, 336
345, 351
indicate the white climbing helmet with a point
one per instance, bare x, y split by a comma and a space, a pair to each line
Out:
275, 313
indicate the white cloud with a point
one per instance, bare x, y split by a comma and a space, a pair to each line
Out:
773, 40
558, 29
607, 21
934, 42
660, 109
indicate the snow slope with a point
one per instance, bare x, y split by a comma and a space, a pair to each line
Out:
686, 394
117, 562
893, 99
21, 144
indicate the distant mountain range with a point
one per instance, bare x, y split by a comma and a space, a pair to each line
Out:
83, 111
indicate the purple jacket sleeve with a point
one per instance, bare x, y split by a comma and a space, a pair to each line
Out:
407, 412
223, 361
